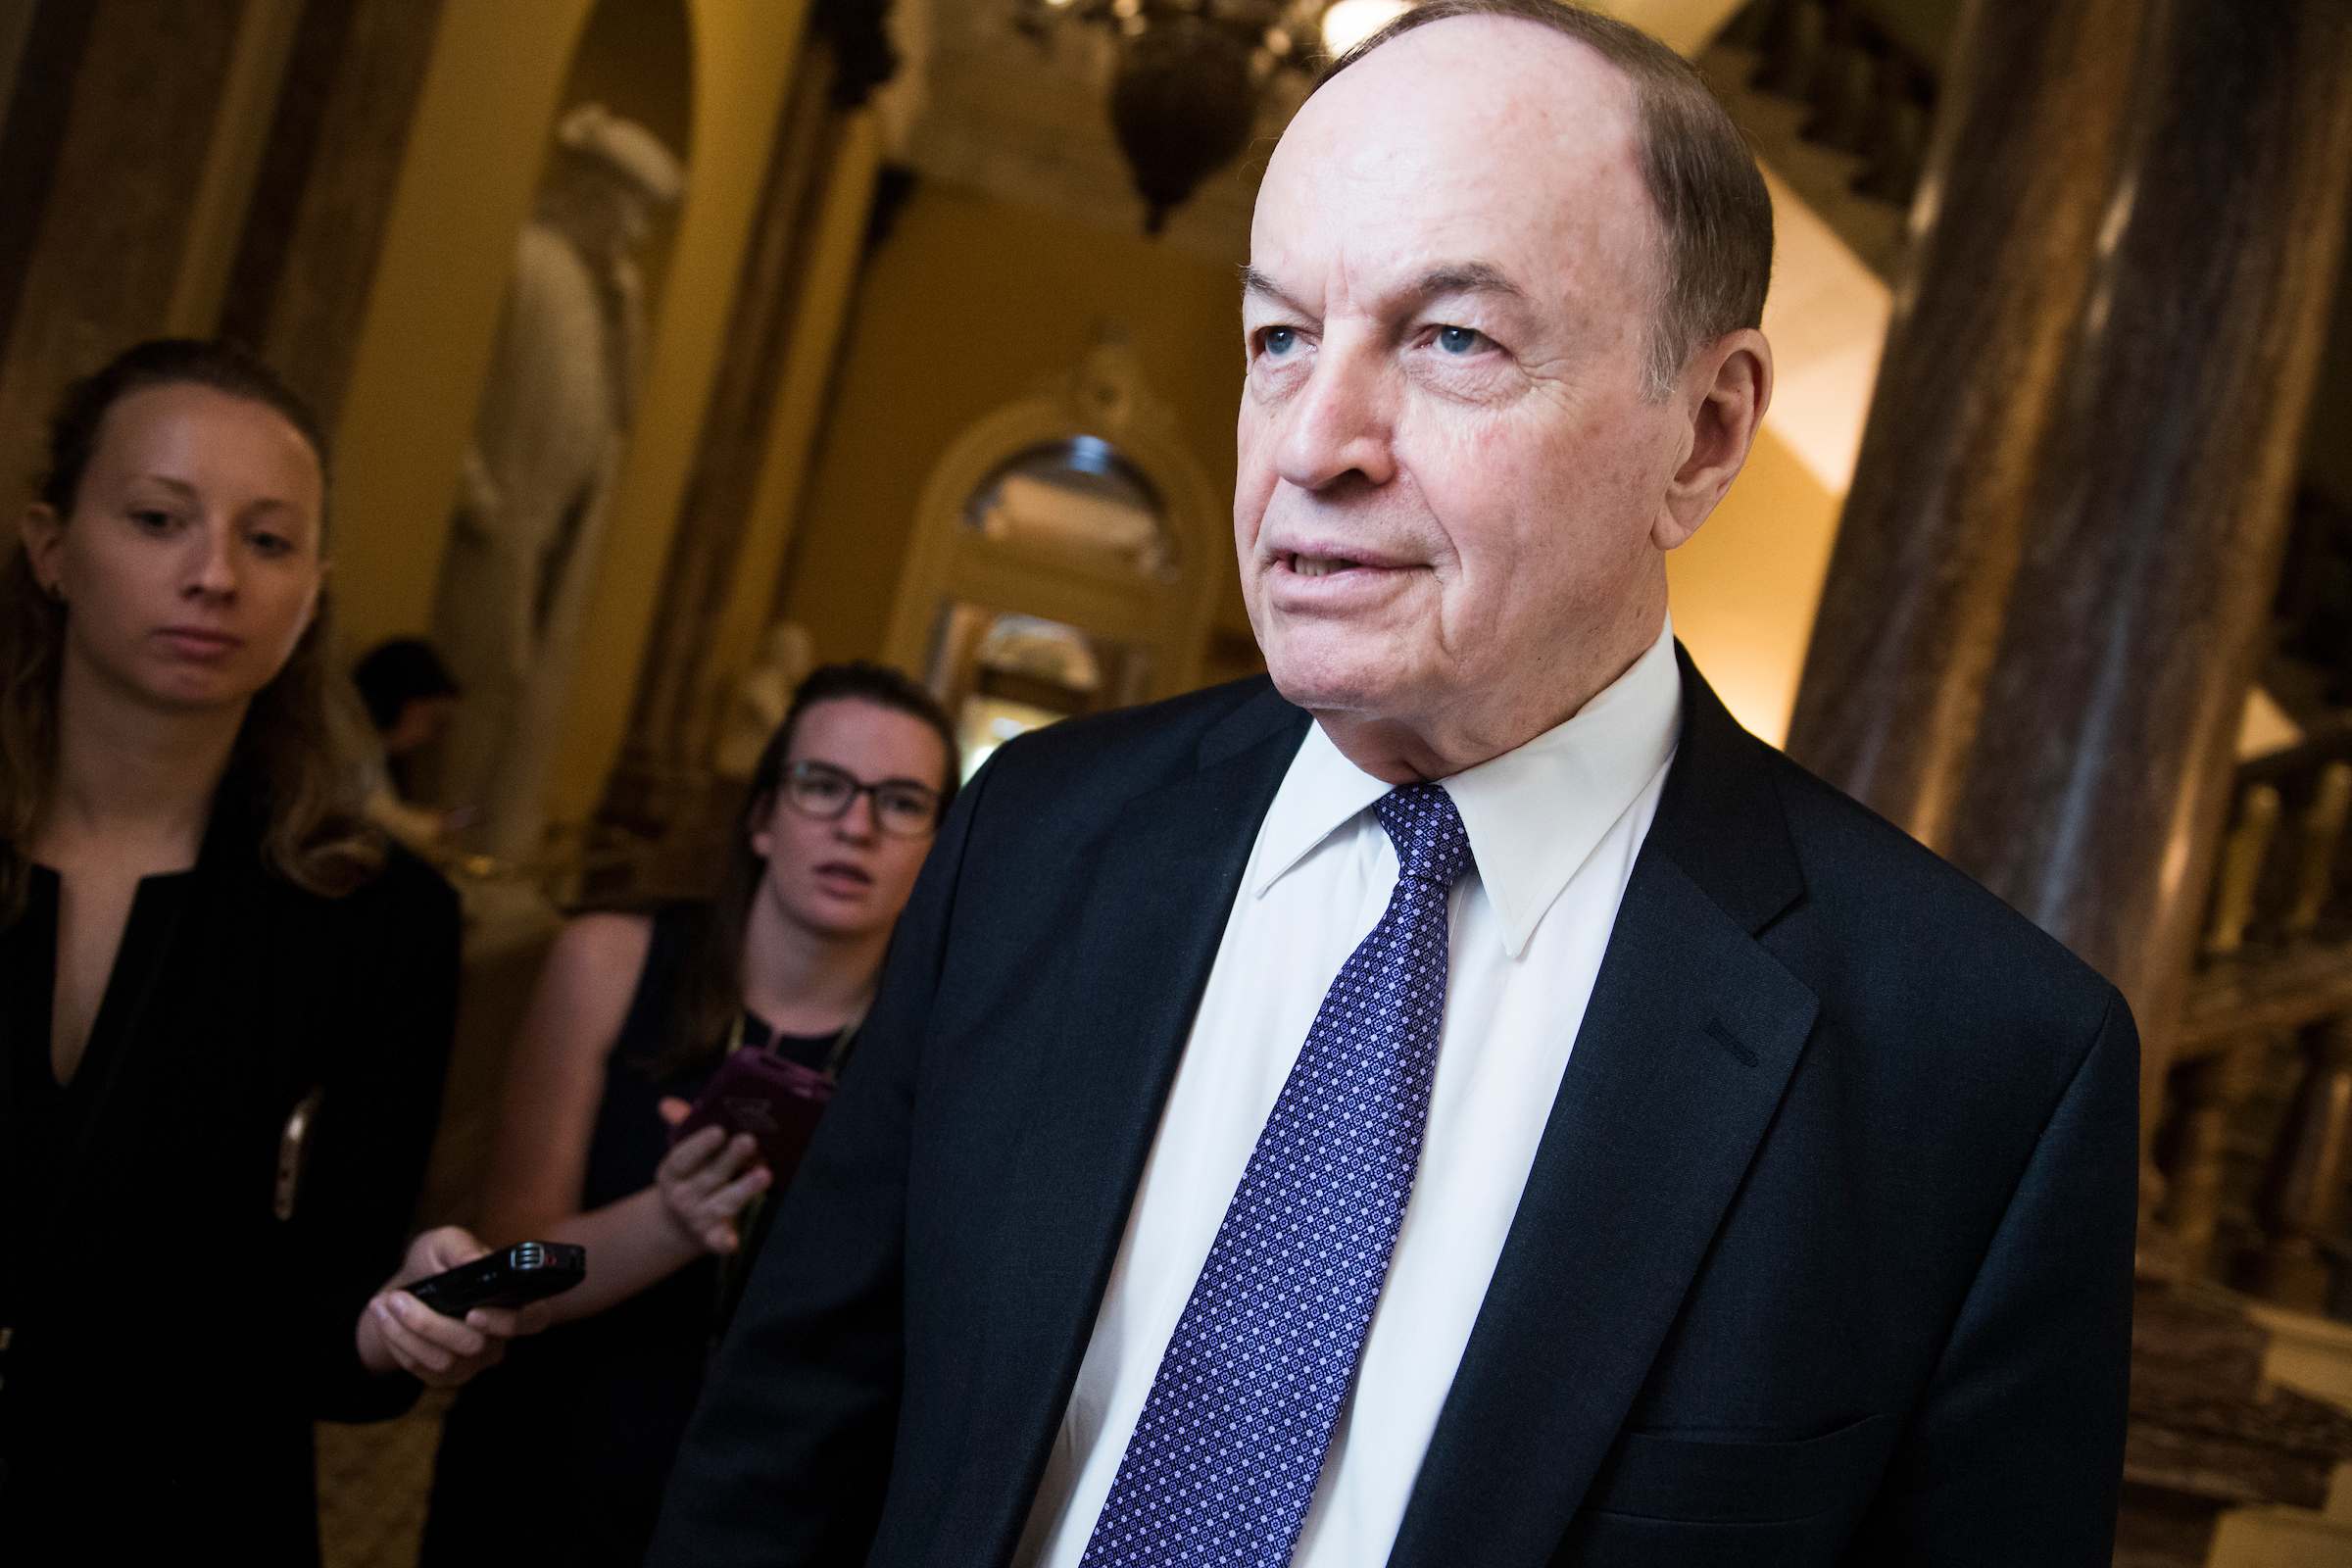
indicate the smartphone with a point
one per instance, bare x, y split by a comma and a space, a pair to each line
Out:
527, 1272
774, 1098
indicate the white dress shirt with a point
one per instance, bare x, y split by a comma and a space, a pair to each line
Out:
1554, 826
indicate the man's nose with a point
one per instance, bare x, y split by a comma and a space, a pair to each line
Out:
1342, 422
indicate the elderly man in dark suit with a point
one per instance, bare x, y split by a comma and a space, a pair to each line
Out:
1463, 1101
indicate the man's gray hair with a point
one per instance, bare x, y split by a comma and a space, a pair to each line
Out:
1713, 210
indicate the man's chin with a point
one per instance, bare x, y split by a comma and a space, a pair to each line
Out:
1325, 684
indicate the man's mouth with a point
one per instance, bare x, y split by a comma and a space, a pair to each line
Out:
1322, 565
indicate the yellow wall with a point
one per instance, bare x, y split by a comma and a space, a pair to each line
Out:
464, 188
971, 304
1744, 590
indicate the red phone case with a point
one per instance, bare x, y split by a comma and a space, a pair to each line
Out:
774, 1098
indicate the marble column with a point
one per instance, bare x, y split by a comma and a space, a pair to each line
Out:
2048, 589
42, 47
113, 113
102, 189
322, 197
2004, 240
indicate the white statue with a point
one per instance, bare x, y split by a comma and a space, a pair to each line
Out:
539, 472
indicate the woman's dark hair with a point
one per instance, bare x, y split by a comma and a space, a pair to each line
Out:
297, 741
711, 988
394, 674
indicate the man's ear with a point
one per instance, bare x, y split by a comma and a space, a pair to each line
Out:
44, 534
1726, 389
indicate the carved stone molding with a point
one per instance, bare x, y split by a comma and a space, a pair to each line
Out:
1105, 396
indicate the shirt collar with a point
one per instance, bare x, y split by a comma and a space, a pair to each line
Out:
1533, 814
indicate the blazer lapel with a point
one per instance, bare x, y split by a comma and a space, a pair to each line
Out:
1686, 1044
1163, 886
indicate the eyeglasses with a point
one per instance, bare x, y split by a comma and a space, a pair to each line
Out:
901, 809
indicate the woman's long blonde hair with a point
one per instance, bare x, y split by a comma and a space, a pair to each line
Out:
299, 739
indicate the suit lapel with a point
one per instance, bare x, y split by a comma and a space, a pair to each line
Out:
1166, 879
1686, 1044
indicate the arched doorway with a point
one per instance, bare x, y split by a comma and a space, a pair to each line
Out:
1063, 558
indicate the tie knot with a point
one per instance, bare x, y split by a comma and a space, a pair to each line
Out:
1421, 821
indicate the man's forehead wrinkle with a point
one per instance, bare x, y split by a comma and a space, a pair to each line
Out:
1261, 286
1405, 284
1467, 277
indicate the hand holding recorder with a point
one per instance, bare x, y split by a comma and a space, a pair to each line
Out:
397, 1331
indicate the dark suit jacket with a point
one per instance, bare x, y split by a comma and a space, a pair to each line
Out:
1825, 1257
173, 1340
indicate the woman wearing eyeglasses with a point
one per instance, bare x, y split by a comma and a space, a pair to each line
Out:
560, 1455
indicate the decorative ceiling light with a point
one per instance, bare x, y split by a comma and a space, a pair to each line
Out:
1191, 74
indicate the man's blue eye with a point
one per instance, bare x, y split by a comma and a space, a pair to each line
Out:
1456, 339
1279, 339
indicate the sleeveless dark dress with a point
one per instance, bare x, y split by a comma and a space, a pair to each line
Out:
560, 1453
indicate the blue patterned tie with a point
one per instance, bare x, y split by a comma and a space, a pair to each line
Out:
1226, 1453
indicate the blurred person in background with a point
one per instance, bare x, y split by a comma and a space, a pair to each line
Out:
410, 693
560, 1455
226, 1001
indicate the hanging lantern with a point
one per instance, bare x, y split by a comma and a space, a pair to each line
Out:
1182, 105
1185, 96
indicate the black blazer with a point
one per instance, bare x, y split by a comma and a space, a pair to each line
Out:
1825, 1257
175, 1341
